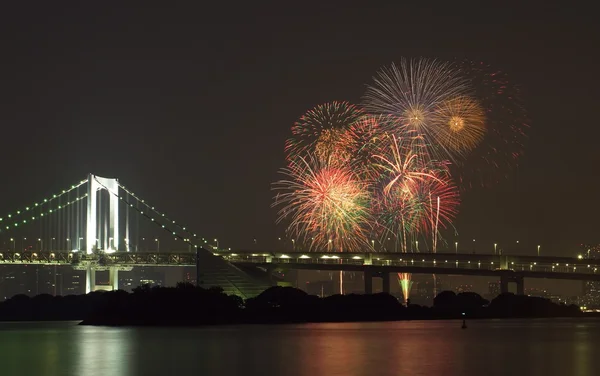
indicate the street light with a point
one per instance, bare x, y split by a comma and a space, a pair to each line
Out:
217, 242
79, 244
68, 245
293, 244
329, 245
456, 246
157, 245
13, 241
538, 249
23, 243
51, 243
495, 247
417, 244
373, 244
41, 243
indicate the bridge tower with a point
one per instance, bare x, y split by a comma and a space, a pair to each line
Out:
94, 238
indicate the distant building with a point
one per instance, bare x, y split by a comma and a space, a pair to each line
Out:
591, 289
40, 279
148, 276
463, 288
425, 288
494, 289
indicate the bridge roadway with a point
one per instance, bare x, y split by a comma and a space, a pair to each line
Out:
507, 268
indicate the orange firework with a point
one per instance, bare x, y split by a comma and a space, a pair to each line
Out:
322, 132
459, 125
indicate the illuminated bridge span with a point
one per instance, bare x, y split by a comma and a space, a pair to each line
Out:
99, 225
507, 268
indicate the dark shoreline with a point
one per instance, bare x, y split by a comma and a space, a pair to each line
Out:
186, 305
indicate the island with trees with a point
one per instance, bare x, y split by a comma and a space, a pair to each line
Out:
189, 305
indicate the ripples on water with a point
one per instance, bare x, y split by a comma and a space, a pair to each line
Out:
502, 347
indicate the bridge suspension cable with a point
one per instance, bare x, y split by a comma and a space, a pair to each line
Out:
42, 202
55, 222
27, 209
170, 222
162, 215
16, 224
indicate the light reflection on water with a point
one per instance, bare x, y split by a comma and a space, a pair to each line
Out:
495, 347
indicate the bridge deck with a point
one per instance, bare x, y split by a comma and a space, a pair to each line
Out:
435, 263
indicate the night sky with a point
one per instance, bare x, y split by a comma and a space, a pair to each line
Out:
189, 106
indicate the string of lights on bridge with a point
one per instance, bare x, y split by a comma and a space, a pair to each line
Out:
48, 212
162, 215
47, 201
42, 202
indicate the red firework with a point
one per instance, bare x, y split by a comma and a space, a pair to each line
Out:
322, 133
327, 206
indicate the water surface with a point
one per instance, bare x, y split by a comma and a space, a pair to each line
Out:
490, 347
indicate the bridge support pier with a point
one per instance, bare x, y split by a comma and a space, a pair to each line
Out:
90, 279
505, 279
113, 278
368, 275
386, 282
520, 286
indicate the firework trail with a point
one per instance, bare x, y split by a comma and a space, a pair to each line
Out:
417, 196
322, 132
405, 285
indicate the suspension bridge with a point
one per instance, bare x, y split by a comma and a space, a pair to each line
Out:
99, 225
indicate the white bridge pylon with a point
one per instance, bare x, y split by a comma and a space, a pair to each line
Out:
94, 240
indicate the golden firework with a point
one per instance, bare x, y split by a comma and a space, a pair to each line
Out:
459, 124
332, 146
415, 117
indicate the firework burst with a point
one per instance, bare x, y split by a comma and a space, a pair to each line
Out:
412, 93
364, 140
389, 171
327, 206
459, 125
400, 163
322, 132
